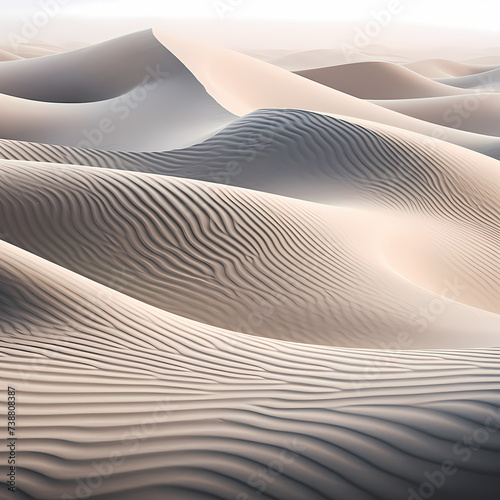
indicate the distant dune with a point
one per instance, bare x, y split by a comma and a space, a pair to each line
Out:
473, 113
378, 80
442, 68
488, 81
233, 90
8, 56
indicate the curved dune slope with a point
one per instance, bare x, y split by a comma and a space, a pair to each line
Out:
148, 85
193, 412
319, 158
8, 56
489, 81
179, 109
216, 253
102, 71
228, 77
377, 80
443, 68
300, 154
286, 305
473, 113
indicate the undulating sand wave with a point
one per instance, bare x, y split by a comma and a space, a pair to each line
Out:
379, 80
212, 252
42, 102
303, 155
476, 113
144, 403
186, 92
252, 286
488, 81
227, 76
442, 68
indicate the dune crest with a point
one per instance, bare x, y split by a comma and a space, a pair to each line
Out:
227, 77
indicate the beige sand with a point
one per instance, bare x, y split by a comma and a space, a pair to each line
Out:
379, 80
295, 303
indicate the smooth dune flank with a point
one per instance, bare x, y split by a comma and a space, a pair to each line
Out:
476, 113
253, 286
442, 68
378, 80
101, 96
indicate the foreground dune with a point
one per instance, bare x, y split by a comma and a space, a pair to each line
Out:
190, 411
191, 249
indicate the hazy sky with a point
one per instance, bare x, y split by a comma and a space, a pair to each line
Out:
93, 20
480, 14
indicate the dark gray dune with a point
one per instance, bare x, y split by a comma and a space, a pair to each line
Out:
102, 71
129, 94
292, 153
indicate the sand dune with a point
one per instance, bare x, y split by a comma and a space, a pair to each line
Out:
227, 76
32, 49
196, 106
442, 68
254, 287
377, 80
491, 60
472, 113
215, 407
96, 73
488, 81
166, 96
293, 153
116, 124
8, 56
301, 60
391, 182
